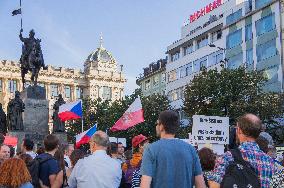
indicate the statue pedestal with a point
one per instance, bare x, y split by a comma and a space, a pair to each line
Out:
62, 136
35, 116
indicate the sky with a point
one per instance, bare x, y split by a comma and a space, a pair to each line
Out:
136, 32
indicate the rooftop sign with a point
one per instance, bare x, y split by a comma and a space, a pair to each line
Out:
205, 10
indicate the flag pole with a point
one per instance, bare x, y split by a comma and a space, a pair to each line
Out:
21, 14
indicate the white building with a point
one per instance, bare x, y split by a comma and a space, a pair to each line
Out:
245, 32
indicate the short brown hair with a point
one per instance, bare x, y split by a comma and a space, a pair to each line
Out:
50, 142
170, 120
207, 159
250, 125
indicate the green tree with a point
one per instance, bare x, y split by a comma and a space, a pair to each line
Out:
231, 93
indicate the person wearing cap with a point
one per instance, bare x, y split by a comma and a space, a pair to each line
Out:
139, 143
170, 162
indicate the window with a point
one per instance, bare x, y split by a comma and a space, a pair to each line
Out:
188, 49
216, 35
175, 56
54, 90
266, 50
147, 84
189, 69
67, 91
176, 94
79, 93
248, 31
249, 59
12, 86
183, 72
234, 17
235, 61
234, 39
172, 75
106, 93
202, 42
265, 24
215, 58
196, 66
156, 80
1, 86
261, 3
163, 77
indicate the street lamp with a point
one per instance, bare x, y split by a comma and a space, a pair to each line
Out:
220, 48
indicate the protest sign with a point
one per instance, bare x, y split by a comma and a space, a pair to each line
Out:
210, 129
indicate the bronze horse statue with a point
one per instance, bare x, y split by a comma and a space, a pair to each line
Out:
32, 58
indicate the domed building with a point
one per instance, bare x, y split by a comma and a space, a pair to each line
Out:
101, 78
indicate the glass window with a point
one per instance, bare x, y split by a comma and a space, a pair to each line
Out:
189, 69
265, 24
235, 61
234, 17
261, 3
249, 59
156, 80
67, 90
163, 77
234, 39
188, 49
172, 75
1, 86
203, 63
54, 90
202, 42
147, 84
216, 35
12, 86
182, 71
79, 93
248, 31
266, 50
106, 93
175, 56
196, 66
215, 58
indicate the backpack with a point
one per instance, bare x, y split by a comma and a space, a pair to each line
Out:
240, 173
34, 167
130, 170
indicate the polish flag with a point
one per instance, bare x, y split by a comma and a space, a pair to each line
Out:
84, 137
132, 116
70, 111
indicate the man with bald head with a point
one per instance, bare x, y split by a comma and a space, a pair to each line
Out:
98, 169
249, 127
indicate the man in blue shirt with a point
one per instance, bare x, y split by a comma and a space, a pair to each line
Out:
50, 168
170, 162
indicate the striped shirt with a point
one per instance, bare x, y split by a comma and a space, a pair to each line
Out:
136, 179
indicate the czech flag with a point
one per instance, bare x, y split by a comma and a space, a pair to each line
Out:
70, 111
84, 137
132, 116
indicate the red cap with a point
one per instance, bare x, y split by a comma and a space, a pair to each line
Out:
138, 139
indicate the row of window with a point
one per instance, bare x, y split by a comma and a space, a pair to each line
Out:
195, 66
54, 88
155, 81
262, 26
204, 41
176, 94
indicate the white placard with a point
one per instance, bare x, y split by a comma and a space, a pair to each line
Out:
117, 140
210, 129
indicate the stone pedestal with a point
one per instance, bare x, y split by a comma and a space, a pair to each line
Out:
35, 116
62, 137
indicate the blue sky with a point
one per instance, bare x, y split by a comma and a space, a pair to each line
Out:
136, 32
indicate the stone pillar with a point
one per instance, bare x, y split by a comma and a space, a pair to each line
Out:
73, 92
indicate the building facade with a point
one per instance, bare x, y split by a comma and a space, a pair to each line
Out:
153, 79
235, 32
101, 78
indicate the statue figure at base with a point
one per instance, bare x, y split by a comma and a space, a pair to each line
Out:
3, 121
15, 110
58, 125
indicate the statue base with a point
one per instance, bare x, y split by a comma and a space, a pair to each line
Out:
62, 136
35, 116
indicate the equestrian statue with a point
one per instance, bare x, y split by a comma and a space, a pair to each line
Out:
31, 58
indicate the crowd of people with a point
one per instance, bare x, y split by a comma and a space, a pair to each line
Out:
166, 163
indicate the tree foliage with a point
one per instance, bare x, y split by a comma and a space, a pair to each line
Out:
232, 93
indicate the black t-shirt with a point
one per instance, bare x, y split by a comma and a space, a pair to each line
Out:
49, 167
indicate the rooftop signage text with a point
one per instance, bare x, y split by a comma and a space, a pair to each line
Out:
205, 10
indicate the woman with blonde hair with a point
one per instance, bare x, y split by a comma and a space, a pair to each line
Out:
14, 174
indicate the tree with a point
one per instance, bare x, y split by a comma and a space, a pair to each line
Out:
231, 93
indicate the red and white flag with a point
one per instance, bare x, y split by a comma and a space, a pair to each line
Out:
132, 116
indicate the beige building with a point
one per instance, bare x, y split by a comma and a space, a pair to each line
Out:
101, 78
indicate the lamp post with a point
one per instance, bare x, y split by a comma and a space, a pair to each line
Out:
224, 52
